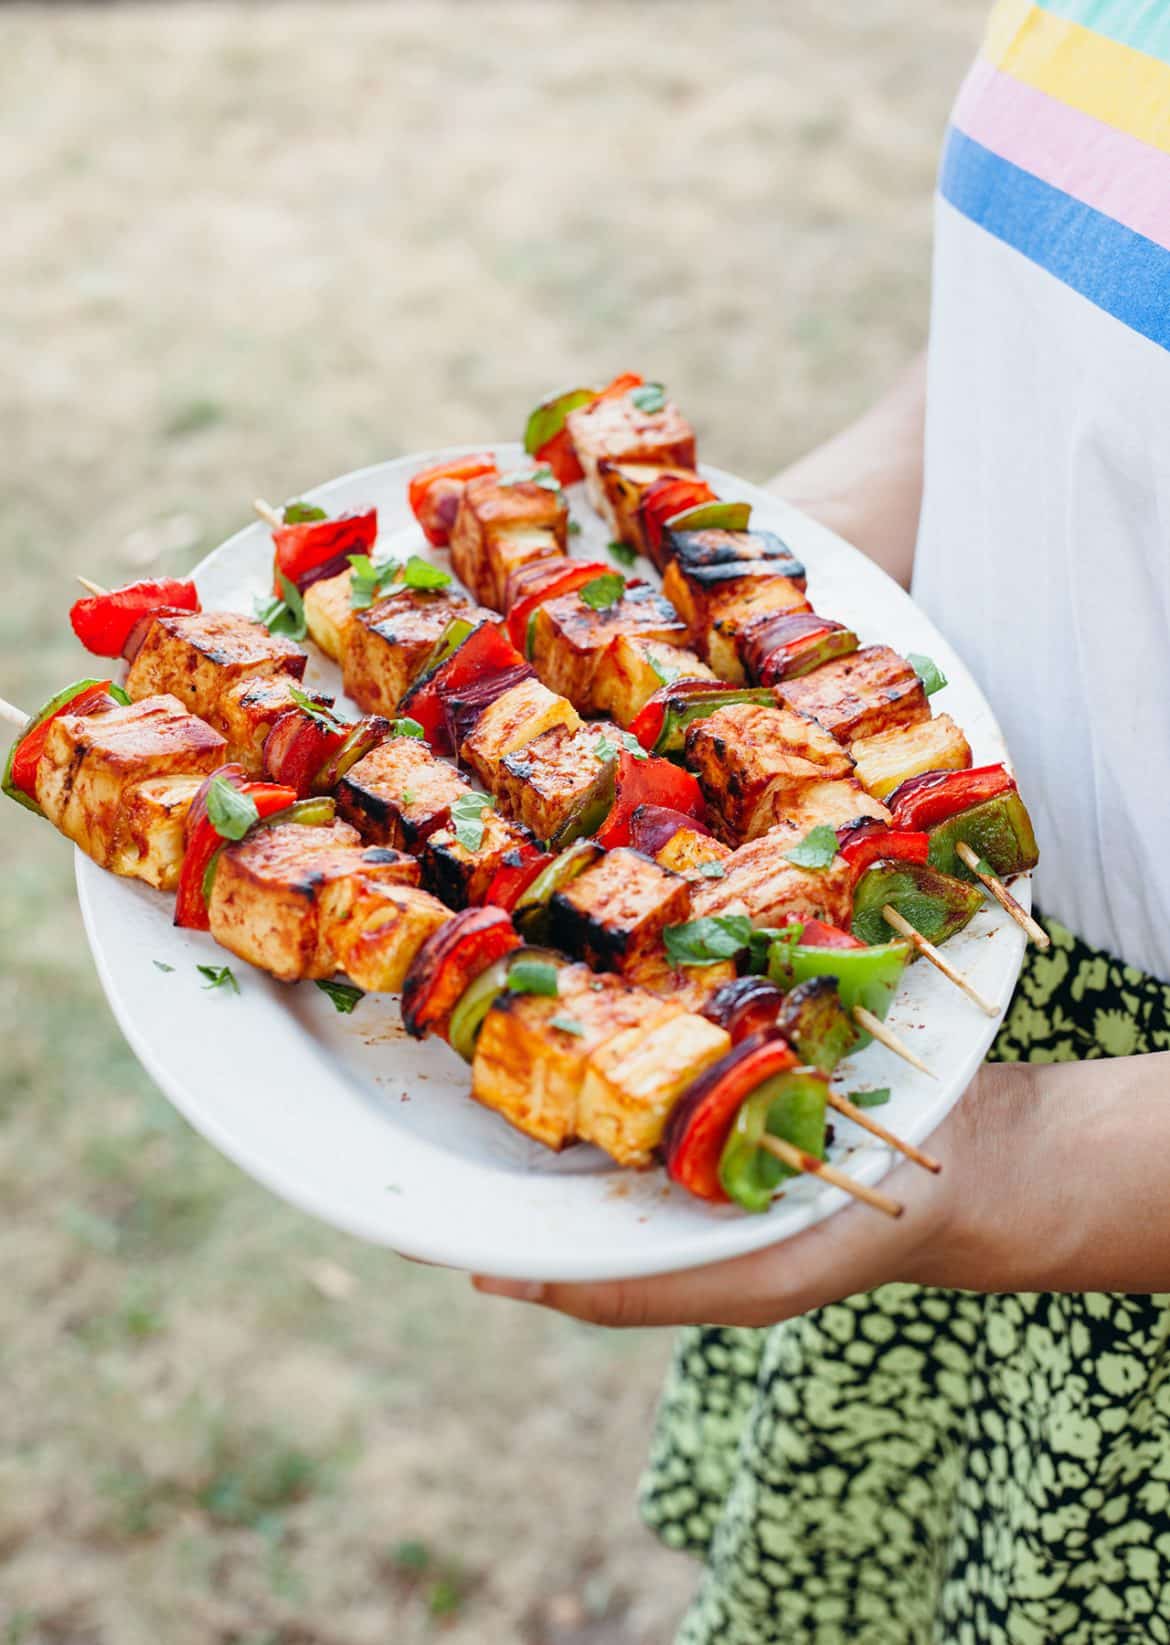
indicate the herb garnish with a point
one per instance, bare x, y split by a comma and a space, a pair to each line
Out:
662, 670
467, 816
650, 397
623, 553
219, 976
300, 513
932, 677
161, 965
285, 615
870, 1099
605, 748
602, 592
713, 870
718, 937
816, 850
406, 727
367, 581
229, 812
542, 476
407, 796
569, 1025
343, 994
533, 977
420, 573
320, 713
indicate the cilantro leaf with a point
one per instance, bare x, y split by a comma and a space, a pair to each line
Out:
229, 812
284, 616
713, 870
932, 677
320, 713
533, 977
219, 976
420, 573
343, 994
161, 965
623, 553
602, 592
871, 1099
407, 796
707, 941
300, 513
467, 816
542, 476
605, 749
665, 673
650, 397
368, 582
569, 1025
632, 746
816, 850
406, 727
574, 528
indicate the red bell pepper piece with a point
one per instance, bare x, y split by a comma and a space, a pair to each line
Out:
434, 494
702, 1120
663, 500
816, 934
558, 450
448, 963
298, 746
649, 781
20, 772
653, 826
313, 549
487, 650
104, 623
543, 580
204, 840
921, 802
863, 843
560, 455
519, 868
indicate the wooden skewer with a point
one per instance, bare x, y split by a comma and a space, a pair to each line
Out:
90, 587
860, 1117
797, 1160
940, 961
1003, 896
876, 1029
15, 716
267, 513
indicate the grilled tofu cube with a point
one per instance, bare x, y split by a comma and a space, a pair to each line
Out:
151, 837
500, 527
510, 723
570, 638
633, 669
558, 776
733, 615
91, 761
460, 876
704, 565
634, 1080
386, 646
688, 852
890, 757
759, 881
752, 761
861, 695
246, 712
328, 613
617, 910
832, 804
624, 485
400, 793
376, 945
197, 655
690, 986
281, 894
618, 431
530, 1070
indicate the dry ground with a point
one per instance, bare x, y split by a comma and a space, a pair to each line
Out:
246, 248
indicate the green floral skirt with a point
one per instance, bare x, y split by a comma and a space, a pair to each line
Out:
919, 1465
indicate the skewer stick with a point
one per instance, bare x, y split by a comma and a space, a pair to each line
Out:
939, 961
267, 513
860, 1117
876, 1029
91, 587
992, 883
797, 1160
14, 716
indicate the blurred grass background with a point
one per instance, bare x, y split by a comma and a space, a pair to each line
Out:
248, 247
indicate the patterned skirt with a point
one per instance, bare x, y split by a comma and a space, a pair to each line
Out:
928, 1467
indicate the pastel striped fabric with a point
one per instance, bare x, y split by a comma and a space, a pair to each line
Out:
1060, 147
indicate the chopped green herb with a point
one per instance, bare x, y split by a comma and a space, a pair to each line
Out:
602, 592
932, 677
574, 528
632, 746
406, 727
816, 850
663, 671
407, 796
229, 812
533, 977
707, 941
368, 582
284, 616
651, 397
219, 976
605, 749
343, 994
467, 816
713, 870
299, 513
542, 476
319, 713
161, 965
871, 1099
420, 573
623, 553
569, 1025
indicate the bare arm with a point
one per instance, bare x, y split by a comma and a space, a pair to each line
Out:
866, 482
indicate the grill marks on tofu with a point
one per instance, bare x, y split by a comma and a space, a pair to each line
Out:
833, 804
246, 712
633, 1080
760, 882
400, 793
461, 876
281, 896
615, 912
512, 721
721, 581
385, 647
891, 757
554, 775
752, 762
197, 655
92, 777
633, 669
858, 696
501, 527
618, 431
570, 639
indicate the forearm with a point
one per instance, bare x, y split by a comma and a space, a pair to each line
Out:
866, 482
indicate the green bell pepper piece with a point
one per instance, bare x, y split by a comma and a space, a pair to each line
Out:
816, 1024
790, 1105
719, 516
547, 421
865, 976
936, 905
590, 812
686, 708
999, 831
530, 915
53, 705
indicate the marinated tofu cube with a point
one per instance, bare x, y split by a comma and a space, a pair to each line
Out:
461, 876
387, 645
329, 612
734, 614
861, 695
151, 837
618, 431
90, 761
246, 712
704, 564
570, 638
890, 757
832, 804
634, 1080
690, 986
197, 655
511, 722
760, 882
376, 945
532, 1050
752, 761
501, 526
625, 485
633, 669
689, 852
563, 776
400, 793
617, 910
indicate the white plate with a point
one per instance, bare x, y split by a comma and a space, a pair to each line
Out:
355, 1123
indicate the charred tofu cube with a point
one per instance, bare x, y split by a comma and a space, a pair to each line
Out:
619, 431
281, 894
570, 638
624, 485
376, 945
858, 696
460, 875
501, 525
633, 669
689, 852
890, 757
151, 836
721, 580
400, 793
532, 1050
329, 612
760, 882
247, 711
634, 1080
387, 645
752, 761
832, 804
734, 615
563, 776
512, 721
91, 762
617, 910
197, 655
690, 986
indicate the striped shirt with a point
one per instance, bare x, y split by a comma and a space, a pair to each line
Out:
1044, 547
